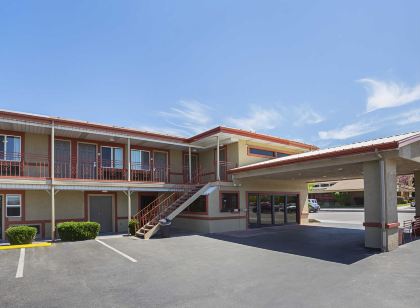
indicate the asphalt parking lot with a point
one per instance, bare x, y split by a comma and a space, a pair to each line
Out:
292, 266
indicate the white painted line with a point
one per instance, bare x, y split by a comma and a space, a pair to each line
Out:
117, 251
21, 264
349, 222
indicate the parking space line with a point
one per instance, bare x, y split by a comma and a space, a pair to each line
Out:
117, 251
21, 264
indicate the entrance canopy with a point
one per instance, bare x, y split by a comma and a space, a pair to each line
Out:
338, 163
377, 161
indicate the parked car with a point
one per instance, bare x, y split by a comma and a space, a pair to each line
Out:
413, 204
313, 205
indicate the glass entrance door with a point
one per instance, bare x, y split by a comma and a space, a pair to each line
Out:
278, 205
272, 209
253, 210
266, 210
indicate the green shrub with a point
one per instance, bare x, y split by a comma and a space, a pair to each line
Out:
132, 226
19, 235
78, 231
401, 200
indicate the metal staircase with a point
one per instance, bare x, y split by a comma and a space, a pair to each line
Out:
166, 206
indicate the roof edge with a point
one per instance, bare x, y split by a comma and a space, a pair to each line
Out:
366, 149
244, 133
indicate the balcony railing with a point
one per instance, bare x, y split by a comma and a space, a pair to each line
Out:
29, 165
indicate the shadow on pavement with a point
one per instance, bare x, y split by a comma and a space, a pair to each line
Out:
333, 244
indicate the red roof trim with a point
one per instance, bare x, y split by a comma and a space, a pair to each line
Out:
112, 129
361, 150
235, 131
49, 120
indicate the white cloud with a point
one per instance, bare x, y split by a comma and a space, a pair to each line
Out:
191, 116
305, 115
384, 94
348, 131
409, 117
259, 118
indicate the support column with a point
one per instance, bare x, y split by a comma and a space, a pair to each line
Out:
380, 195
189, 165
52, 182
417, 191
129, 207
129, 159
52, 213
218, 159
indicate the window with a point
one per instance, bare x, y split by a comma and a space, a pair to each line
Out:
198, 206
229, 202
10, 148
13, 205
112, 157
140, 160
266, 153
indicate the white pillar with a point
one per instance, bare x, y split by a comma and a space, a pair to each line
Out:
52, 213
218, 159
189, 165
129, 204
52, 182
380, 195
129, 159
52, 152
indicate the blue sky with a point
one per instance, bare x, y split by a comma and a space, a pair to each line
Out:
323, 72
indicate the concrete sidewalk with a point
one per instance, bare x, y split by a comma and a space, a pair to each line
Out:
406, 209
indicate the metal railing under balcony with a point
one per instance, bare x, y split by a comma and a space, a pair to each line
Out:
38, 166
24, 165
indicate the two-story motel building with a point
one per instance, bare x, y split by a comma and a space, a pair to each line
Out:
54, 170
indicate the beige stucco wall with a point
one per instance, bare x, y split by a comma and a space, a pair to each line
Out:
122, 209
192, 225
37, 205
206, 162
217, 221
245, 159
232, 152
68, 205
36, 144
36, 153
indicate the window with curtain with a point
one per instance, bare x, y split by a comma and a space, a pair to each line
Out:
140, 160
10, 148
112, 157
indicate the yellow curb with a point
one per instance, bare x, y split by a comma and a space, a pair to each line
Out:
35, 245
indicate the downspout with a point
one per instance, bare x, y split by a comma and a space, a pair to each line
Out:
384, 210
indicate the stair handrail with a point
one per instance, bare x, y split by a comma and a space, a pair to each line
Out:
149, 206
156, 209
